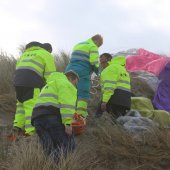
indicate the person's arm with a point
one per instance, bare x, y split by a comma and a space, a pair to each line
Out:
94, 56
109, 81
67, 100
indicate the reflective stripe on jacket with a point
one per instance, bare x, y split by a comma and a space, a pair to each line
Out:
115, 77
60, 93
86, 52
38, 60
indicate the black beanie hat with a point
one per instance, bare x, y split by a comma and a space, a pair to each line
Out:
48, 47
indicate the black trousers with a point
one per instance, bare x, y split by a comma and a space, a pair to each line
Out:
24, 93
114, 109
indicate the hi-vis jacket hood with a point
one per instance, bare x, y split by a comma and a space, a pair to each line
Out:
120, 60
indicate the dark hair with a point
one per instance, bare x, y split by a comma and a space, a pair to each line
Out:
33, 43
107, 55
72, 75
48, 47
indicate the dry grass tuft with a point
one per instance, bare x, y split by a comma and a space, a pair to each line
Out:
62, 60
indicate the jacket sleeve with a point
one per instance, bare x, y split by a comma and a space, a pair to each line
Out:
50, 66
109, 81
67, 100
94, 56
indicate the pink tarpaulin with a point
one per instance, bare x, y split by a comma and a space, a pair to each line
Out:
146, 61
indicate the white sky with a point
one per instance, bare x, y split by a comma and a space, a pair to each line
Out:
124, 24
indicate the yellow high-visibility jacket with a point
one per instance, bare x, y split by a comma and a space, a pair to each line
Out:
115, 78
59, 92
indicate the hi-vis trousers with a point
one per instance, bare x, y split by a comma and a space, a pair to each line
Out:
26, 97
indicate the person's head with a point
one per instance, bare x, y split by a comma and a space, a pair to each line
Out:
48, 47
104, 58
32, 44
72, 77
97, 39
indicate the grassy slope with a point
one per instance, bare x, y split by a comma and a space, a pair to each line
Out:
104, 145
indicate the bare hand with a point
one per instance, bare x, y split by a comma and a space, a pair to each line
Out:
68, 129
103, 106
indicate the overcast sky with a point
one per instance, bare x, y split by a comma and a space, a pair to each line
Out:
124, 24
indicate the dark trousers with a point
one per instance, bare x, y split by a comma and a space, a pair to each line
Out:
114, 109
24, 93
52, 135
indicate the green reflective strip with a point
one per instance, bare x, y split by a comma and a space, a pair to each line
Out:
109, 88
124, 81
29, 68
67, 115
49, 95
124, 88
34, 62
79, 57
81, 109
28, 126
20, 112
28, 118
109, 81
93, 51
81, 52
55, 105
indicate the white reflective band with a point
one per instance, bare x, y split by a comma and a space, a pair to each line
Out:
93, 51
81, 52
109, 88
28, 118
124, 81
81, 108
67, 115
20, 112
34, 62
123, 88
80, 57
109, 81
55, 105
49, 95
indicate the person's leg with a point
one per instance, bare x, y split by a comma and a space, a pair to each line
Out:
83, 88
61, 141
40, 125
28, 107
99, 111
19, 120
118, 110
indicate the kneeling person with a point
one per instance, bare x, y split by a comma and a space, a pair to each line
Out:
53, 113
116, 88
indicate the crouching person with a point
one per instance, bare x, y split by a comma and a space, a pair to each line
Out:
53, 113
116, 88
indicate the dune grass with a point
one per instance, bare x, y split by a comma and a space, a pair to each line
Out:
104, 145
